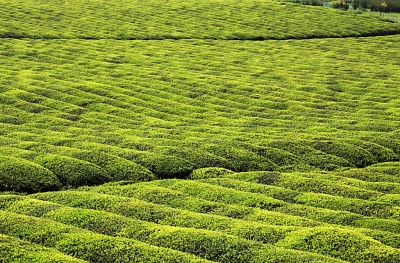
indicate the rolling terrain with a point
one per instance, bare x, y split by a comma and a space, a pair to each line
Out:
197, 131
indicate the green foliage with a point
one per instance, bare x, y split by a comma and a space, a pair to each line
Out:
389, 168
199, 242
85, 244
28, 252
363, 207
381, 153
116, 167
161, 123
73, 172
273, 191
348, 245
199, 158
393, 199
284, 214
210, 172
377, 5
181, 20
241, 159
312, 156
24, 176
354, 154
235, 217
271, 133
164, 166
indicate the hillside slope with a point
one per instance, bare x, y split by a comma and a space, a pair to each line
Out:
289, 147
218, 216
125, 110
175, 19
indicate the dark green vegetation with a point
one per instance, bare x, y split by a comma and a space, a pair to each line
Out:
359, 5
290, 147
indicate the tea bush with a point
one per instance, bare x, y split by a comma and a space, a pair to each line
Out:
29, 252
84, 244
347, 245
73, 172
24, 176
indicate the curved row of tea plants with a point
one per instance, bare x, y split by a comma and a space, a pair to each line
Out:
76, 112
173, 19
219, 215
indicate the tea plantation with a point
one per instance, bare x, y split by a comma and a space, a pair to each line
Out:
198, 131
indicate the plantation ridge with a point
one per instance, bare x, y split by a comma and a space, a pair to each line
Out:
198, 131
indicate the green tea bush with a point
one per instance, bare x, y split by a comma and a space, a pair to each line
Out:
175, 198
389, 168
284, 159
312, 156
166, 215
387, 141
347, 245
18, 251
240, 159
6, 199
210, 172
73, 172
161, 214
163, 166
32, 207
207, 244
352, 153
384, 188
301, 183
368, 175
199, 158
363, 207
203, 243
173, 22
116, 167
293, 214
393, 199
259, 177
225, 195
24, 176
111, 224
84, 244
280, 193
385, 237
223, 248
380, 153
389, 225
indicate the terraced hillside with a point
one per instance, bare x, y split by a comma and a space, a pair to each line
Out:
289, 146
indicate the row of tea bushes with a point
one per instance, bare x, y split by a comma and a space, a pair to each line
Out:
125, 215
84, 244
188, 20
207, 244
13, 249
290, 214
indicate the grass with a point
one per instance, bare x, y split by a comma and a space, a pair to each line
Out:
150, 131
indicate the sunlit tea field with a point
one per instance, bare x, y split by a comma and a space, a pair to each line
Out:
198, 131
